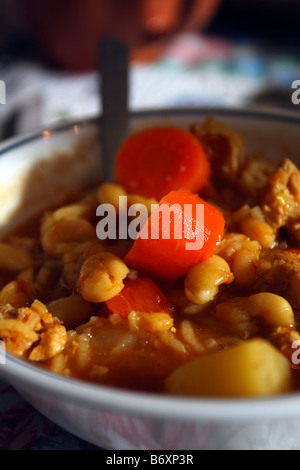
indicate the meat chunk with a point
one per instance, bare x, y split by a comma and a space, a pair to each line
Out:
52, 342
279, 208
18, 328
281, 203
284, 339
279, 272
31, 332
225, 148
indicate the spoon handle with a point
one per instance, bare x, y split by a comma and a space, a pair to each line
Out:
114, 96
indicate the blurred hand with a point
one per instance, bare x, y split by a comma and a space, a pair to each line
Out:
69, 31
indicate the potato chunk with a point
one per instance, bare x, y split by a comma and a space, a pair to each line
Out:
250, 369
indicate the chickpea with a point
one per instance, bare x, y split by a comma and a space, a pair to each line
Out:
242, 255
72, 310
183, 306
14, 259
149, 203
255, 226
17, 293
56, 239
243, 266
259, 230
101, 277
109, 193
66, 226
202, 281
80, 210
273, 309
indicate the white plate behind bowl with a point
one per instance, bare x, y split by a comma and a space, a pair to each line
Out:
40, 169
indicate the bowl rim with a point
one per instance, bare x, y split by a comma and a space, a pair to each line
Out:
254, 112
32, 379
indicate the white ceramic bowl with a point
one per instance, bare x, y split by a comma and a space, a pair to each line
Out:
38, 169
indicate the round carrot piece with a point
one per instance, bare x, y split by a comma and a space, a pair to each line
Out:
158, 160
182, 231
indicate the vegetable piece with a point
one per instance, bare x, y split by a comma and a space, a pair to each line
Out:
72, 310
14, 259
202, 282
155, 161
101, 277
17, 293
180, 230
253, 368
272, 309
140, 295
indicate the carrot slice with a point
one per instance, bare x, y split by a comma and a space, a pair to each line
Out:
140, 295
155, 161
176, 236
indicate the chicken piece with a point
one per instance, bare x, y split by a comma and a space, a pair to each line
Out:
284, 339
18, 329
31, 331
281, 203
52, 342
253, 177
279, 208
225, 147
279, 272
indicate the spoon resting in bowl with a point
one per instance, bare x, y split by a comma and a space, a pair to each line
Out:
114, 98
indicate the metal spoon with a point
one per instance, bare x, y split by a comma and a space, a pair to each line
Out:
114, 97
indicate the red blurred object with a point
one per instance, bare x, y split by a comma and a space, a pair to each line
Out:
69, 31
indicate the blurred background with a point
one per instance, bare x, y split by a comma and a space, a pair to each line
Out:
183, 53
